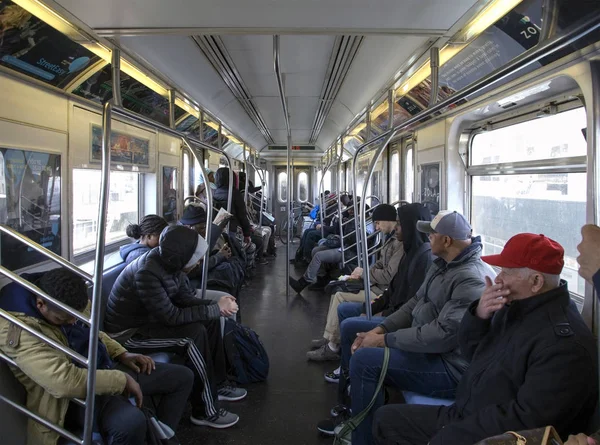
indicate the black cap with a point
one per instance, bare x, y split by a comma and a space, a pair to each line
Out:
385, 212
193, 214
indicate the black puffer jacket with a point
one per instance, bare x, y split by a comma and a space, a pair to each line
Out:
238, 208
533, 364
153, 289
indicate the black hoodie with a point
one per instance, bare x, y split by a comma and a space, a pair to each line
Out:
413, 266
238, 207
153, 289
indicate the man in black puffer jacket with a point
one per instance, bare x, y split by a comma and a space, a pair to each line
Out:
152, 307
533, 359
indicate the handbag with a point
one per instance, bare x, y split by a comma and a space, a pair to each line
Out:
538, 436
343, 435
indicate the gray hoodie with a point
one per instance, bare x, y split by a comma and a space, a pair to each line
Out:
429, 322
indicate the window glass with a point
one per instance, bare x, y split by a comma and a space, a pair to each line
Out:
30, 204
341, 179
186, 175
551, 204
187, 124
197, 174
327, 181
136, 96
30, 46
395, 182
409, 177
556, 136
169, 193
303, 187
282, 187
122, 207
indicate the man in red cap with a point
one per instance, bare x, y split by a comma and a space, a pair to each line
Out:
533, 359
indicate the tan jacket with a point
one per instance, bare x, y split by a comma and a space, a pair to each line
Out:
49, 376
383, 271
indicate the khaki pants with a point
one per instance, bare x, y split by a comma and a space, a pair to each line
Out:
332, 329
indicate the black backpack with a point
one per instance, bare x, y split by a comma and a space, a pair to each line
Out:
246, 356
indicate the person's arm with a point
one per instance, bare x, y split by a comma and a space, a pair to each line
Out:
157, 302
402, 318
559, 378
440, 335
383, 275
54, 371
471, 331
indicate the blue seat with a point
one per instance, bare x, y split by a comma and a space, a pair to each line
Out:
412, 398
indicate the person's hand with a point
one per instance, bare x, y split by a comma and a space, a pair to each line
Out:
138, 362
589, 251
492, 300
228, 305
580, 439
318, 227
359, 342
132, 389
246, 240
225, 251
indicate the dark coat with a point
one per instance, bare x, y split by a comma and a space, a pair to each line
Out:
238, 207
533, 364
153, 289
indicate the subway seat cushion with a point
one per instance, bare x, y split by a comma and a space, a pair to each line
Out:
412, 398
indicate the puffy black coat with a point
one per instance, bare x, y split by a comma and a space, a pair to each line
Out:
238, 207
153, 289
534, 364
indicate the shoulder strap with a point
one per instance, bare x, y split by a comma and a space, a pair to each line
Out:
355, 421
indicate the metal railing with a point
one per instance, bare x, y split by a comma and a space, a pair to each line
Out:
529, 57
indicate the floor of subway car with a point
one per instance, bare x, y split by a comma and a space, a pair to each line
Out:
286, 408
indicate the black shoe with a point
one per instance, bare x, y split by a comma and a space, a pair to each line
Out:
320, 284
298, 285
328, 426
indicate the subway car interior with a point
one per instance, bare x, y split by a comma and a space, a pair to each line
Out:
191, 191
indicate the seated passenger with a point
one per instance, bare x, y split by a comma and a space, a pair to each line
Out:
51, 378
381, 274
146, 233
409, 277
423, 334
533, 359
332, 255
152, 307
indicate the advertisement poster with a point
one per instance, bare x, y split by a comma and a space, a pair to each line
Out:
29, 203
30, 46
430, 186
124, 149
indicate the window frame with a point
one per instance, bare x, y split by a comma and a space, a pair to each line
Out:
566, 165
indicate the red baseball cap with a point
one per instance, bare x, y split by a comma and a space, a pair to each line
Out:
537, 252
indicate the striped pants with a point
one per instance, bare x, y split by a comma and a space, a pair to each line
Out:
201, 345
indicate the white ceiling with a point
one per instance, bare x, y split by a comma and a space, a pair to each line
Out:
304, 58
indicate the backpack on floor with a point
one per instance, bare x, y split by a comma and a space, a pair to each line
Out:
247, 358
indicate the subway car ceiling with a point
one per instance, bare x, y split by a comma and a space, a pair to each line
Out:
350, 71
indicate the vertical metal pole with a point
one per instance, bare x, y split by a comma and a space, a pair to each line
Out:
363, 227
201, 126
246, 185
368, 126
98, 271
357, 215
549, 19
116, 77
434, 62
339, 205
172, 108
391, 98
209, 214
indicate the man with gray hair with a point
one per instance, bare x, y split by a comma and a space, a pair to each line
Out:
533, 359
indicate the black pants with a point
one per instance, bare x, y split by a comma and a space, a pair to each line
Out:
407, 424
166, 391
201, 345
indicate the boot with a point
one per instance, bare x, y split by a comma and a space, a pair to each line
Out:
298, 285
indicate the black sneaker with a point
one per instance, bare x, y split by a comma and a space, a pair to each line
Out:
328, 426
339, 410
332, 376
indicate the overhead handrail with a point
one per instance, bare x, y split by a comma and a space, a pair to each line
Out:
543, 49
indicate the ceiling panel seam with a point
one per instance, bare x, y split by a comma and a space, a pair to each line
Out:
215, 51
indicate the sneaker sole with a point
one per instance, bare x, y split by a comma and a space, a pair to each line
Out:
327, 433
232, 399
330, 380
213, 425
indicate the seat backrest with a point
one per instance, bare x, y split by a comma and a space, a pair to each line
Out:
108, 280
13, 424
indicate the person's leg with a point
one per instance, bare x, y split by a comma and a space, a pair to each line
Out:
173, 383
406, 424
407, 371
190, 341
329, 256
120, 422
332, 329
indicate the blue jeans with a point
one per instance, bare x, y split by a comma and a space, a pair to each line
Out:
349, 328
327, 256
408, 371
349, 309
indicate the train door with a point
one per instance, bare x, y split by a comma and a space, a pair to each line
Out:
301, 191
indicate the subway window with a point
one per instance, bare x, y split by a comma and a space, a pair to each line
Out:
122, 207
327, 181
531, 199
409, 176
395, 177
186, 175
282, 187
302, 187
